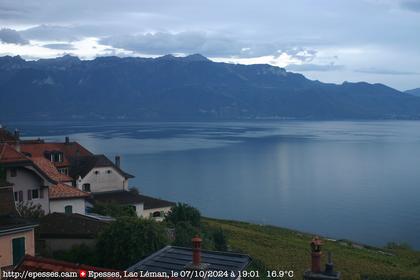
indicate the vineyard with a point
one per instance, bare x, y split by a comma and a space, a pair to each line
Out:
278, 249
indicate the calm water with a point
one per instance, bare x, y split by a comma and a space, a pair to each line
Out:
355, 180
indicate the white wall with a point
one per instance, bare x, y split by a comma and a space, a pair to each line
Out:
79, 205
27, 179
104, 181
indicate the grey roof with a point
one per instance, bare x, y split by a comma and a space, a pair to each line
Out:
172, 258
82, 165
131, 197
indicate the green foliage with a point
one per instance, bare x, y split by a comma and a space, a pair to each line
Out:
184, 232
220, 240
183, 212
128, 240
82, 253
30, 210
274, 248
114, 210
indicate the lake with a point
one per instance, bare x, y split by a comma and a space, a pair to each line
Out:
342, 179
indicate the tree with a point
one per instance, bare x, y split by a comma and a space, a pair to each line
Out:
184, 232
128, 240
183, 212
114, 210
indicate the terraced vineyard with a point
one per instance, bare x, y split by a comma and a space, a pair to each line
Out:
282, 249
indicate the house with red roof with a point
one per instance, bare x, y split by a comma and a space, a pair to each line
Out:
36, 181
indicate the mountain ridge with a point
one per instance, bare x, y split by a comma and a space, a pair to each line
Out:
185, 88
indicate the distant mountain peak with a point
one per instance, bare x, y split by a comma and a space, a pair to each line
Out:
196, 57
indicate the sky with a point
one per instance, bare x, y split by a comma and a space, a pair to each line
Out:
377, 41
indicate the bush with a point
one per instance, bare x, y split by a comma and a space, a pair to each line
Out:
220, 240
184, 232
78, 254
128, 240
184, 213
29, 210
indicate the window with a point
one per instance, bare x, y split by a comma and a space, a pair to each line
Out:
13, 172
33, 194
56, 157
18, 247
68, 209
86, 187
108, 171
16, 194
20, 194
63, 171
157, 214
96, 172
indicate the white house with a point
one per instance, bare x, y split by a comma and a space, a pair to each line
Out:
96, 173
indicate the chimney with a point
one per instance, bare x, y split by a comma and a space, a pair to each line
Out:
316, 253
196, 241
117, 161
196, 265
67, 140
17, 136
315, 271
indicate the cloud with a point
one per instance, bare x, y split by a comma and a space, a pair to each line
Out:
60, 46
46, 32
412, 5
11, 36
314, 67
378, 71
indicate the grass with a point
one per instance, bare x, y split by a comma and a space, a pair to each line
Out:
282, 249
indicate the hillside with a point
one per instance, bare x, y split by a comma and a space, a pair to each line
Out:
284, 249
415, 92
189, 88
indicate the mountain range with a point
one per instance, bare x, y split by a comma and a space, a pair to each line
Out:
415, 92
184, 88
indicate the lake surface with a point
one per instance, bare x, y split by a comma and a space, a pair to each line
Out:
354, 180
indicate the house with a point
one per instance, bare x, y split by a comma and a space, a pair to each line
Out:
36, 181
16, 233
96, 173
145, 206
58, 153
60, 231
30, 185
180, 259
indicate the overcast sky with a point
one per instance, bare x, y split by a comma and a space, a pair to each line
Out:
333, 41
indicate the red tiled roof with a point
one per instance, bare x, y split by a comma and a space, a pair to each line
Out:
39, 264
8, 154
70, 149
63, 191
48, 168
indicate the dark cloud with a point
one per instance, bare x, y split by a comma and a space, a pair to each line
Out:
183, 42
59, 46
314, 67
378, 71
412, 5
52, 33
11, 36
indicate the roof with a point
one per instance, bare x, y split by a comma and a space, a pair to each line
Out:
82, 165
8, 154
6, 136
61, 225
10, 221
48, 168
40, 149
129, 197
172, 258
40, 264
63, 191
